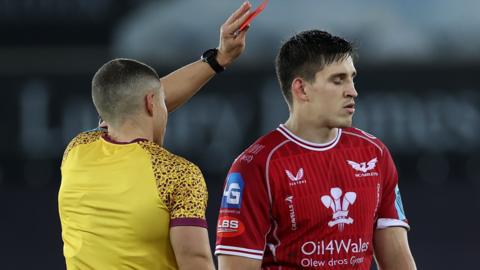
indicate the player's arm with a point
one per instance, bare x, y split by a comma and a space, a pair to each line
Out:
183, 83
390, 243
244, 219
392, 251
191, 247
226, 262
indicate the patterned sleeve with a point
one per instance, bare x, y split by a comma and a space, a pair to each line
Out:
82, 138
391, 213
188, 197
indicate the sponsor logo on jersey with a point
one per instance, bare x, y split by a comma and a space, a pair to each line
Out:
296, 179
229, 227
339, 203
291, 210
246, 158
250, 153
399, 204
353, 249
364, 167
232, 195
229, 211
378, 201
255, 149
333, 247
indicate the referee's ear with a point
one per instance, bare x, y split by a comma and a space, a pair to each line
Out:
149, 103
103, 124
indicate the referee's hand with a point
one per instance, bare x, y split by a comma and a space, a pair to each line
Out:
232, 43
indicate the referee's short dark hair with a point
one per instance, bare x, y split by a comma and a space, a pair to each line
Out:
119, 86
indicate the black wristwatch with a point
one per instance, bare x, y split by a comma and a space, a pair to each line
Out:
210, 57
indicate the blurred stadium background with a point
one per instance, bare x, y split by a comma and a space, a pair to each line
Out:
418, 84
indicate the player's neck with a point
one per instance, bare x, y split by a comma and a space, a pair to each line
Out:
309, 131
129, 131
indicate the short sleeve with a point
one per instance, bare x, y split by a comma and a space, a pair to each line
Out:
188, 199
82, 138
390, 213
244, 219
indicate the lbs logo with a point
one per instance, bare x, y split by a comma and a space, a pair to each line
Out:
229, 227
232, 195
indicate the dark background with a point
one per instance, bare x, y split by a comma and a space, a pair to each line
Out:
422, 101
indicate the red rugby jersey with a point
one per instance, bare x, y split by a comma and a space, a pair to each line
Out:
296, 204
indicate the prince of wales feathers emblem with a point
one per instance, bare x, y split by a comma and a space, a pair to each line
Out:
340, 209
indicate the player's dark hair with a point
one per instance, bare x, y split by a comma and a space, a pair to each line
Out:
119, 86
305, 54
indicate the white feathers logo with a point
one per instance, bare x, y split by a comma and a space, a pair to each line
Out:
339, 206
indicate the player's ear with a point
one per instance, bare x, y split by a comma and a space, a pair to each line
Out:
149, 99
298, 89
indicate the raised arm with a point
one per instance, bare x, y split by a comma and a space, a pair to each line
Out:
391, 249
183, 83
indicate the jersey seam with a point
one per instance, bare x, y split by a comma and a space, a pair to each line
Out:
365, 138
267, 179
82, 139
267, 169
157, 177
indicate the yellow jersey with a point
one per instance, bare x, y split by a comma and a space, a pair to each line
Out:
118, 201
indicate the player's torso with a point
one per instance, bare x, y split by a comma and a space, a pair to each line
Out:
324, 206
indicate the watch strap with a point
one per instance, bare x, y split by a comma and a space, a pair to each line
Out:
210, 57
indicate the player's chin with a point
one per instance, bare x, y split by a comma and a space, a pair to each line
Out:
345, 122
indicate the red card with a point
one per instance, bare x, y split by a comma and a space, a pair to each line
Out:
253, 15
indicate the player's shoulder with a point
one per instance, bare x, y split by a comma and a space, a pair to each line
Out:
258, 152
168, 162
82, 138
363, 138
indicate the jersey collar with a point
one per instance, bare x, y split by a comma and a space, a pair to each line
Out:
309, 145
110, 140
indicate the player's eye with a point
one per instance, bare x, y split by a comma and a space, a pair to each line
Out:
337, 81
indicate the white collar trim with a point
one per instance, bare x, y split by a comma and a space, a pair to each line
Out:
310, 145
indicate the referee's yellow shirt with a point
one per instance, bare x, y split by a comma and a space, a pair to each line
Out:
117, 203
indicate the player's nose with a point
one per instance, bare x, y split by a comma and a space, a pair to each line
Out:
351, 92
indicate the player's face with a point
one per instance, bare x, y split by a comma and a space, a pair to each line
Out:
160, 116
332, 94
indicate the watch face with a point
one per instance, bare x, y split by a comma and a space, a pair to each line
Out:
209, 57
210, 53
